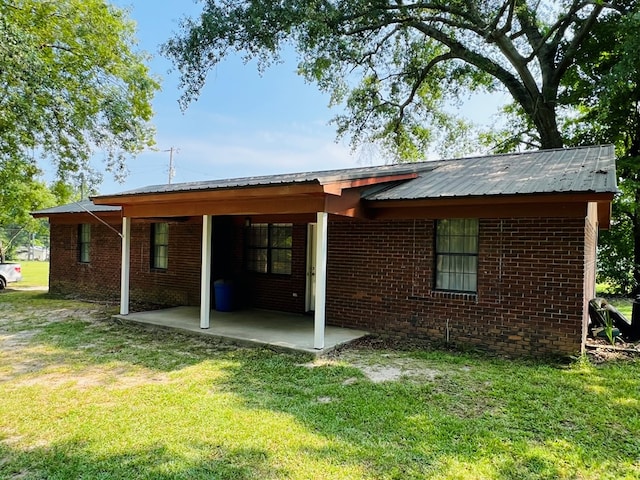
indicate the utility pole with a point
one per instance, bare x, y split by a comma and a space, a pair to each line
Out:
81, 186
172, 171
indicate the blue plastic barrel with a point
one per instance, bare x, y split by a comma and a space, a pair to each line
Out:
223, 295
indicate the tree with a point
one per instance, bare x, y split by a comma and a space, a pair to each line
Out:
397, 64
71, 85
604, 85
20, 193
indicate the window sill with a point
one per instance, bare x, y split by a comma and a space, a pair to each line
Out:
469, 297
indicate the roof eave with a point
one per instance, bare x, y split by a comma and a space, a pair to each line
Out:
220, 193
493, 199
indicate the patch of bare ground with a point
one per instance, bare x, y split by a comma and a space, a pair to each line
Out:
379, 361
600, 350
389, 366
91, 377
18, 288
28, 363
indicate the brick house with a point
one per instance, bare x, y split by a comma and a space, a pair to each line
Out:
496, 252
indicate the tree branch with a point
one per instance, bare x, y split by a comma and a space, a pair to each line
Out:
57, 47
575, 43
519, 91
424, 73
379, 44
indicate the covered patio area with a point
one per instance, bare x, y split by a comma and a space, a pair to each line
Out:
284, 331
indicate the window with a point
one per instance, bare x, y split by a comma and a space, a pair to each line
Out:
269, 248
160, 246
84, 242
457, 255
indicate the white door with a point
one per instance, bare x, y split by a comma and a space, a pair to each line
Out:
311, 268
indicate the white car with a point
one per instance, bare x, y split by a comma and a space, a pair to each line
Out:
9, 272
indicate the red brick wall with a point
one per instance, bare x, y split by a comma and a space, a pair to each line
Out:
530, 284
100, 278
179, 284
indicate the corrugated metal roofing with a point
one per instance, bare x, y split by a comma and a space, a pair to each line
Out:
322, 177
77, 207
573, 170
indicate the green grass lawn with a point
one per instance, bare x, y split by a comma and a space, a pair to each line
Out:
34, 274
82, 396
623, 305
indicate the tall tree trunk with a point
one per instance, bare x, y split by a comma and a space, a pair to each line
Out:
636, 248
545, 119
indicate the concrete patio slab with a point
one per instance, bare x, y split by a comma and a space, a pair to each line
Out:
252, 327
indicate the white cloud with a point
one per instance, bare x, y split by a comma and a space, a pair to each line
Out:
238, 154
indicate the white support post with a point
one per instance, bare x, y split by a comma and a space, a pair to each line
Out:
125, 268
321, 280
205, 276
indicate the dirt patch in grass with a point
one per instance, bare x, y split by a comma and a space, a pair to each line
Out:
385, 360
28, 362
90, 377
389, 366
380, 366
19, 288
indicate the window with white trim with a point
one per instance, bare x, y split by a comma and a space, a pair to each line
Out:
457, 255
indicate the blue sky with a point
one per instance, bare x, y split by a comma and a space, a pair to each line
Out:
243, 124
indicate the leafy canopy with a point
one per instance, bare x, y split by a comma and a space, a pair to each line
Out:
71, 84
604, 86
396, 65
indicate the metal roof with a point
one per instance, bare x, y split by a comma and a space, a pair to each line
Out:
321, 177
82, 206
571, 170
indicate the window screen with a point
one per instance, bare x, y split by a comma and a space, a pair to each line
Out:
457, 255
160, 246
84, 243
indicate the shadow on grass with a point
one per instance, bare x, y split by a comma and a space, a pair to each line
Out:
15, 295
50, 330
71, 460
501, 419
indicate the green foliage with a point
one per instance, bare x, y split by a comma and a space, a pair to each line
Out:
21, 191
615, 250
603, 89
71, 85
608, 327
396, 65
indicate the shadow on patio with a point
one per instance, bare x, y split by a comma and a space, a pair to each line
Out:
258, 327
